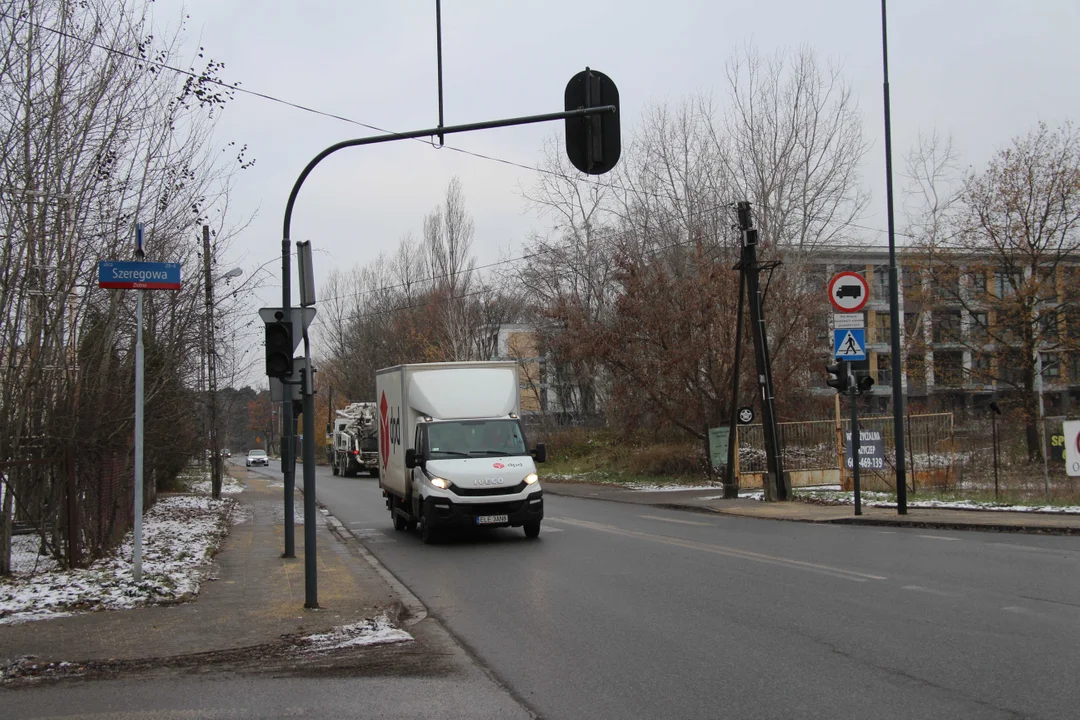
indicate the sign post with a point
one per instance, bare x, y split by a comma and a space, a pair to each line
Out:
848, 293
138, 276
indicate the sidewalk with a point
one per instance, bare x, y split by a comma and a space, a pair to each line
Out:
251, 597
711, 500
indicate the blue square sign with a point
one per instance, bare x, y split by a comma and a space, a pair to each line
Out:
849, 344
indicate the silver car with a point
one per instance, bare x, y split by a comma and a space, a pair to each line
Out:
256, 457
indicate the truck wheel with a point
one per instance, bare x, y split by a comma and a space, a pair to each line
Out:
427, 533
399, 522
532, 530
334, 469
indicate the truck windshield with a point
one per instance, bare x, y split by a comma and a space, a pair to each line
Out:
475, 438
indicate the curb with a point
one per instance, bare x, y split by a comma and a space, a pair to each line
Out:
851, 520
415, 610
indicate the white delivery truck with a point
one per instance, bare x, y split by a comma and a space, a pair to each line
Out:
451, 448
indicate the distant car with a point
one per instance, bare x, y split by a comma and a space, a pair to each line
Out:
226, 453
256, 457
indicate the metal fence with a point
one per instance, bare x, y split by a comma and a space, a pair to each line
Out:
812, 451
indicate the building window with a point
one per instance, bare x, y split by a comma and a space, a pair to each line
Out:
1006, 283
978, 284
947, 284
882, 328
910, 279
949, 368
946, 326
981, 369
1011, 368
1051, 365
1048, 325
1074, 368
884, 369
978, 328
915, 369
881, 283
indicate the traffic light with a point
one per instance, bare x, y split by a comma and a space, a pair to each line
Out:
865, 383
279, 349
593, 143
840, 382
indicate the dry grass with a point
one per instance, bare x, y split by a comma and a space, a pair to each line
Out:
580, 451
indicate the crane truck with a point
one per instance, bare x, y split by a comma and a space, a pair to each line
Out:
352, 443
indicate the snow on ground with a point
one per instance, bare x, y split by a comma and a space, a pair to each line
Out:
229, 486
180, 535
876, 499
376, 631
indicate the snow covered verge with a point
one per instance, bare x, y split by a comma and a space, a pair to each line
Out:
887, 500
181, 533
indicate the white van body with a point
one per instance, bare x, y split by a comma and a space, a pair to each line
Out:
472, 465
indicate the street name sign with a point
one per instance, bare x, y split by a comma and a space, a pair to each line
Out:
848, 292
119, 275
849, 344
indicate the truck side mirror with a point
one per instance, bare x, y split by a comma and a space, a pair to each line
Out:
540, 453
410, 458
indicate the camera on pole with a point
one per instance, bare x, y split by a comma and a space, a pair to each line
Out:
840, 382
279, 349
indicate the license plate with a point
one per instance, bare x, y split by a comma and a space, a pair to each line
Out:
491, 519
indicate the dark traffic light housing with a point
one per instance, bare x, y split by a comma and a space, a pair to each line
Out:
593, 143
864, 384
279, 349
840, 382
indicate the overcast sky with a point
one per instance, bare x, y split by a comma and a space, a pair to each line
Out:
983, 71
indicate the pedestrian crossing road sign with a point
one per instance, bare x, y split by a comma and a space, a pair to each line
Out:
849, 344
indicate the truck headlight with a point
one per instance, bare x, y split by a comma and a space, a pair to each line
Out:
531, 479
440, 483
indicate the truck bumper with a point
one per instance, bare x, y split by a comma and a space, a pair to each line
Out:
443, 512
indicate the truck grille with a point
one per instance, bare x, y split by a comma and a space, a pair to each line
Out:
505, 508
478, 492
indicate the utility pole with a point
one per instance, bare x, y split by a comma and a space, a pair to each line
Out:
211, 368
731, 479
777, 486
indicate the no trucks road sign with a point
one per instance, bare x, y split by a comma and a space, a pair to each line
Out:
848, 292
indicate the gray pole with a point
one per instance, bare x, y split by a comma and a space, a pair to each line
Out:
139, 366
288, 424
731, 482
894, 294
211, 369
311, 587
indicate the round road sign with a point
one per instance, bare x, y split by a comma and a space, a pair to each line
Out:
746, 414
848, 292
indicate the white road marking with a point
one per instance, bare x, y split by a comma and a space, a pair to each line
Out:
931, 591
727, 551
673, 520
1017, 610
1028, 548
887, 532
551, 529
938, 537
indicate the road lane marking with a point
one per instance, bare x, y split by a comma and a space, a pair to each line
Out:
673, 520
727, 551
1028, 548
931, 591
938, 537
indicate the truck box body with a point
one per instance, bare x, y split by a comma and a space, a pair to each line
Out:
461, 421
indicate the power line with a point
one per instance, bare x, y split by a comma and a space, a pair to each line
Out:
288, 103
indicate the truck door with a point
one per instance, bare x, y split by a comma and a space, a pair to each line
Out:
420, 447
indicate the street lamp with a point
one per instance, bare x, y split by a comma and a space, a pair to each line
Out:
211, 365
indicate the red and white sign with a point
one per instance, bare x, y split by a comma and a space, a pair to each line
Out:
848, 292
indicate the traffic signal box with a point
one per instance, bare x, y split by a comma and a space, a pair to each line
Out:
279, 349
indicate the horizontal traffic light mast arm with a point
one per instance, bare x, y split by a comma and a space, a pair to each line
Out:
432, 132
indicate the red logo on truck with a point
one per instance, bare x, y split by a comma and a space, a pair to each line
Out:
498, 466
384, 431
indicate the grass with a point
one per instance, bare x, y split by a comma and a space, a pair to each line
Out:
950, 495
612, 458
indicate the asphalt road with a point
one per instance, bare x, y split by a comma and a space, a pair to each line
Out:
625, 611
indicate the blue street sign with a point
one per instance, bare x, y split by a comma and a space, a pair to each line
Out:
849, 344
138, 275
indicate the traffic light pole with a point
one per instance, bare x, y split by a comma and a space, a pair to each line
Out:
853, 393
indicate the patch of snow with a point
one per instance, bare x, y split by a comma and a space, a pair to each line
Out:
651, 487
876, 499
229, 486
180, 535
376, 631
